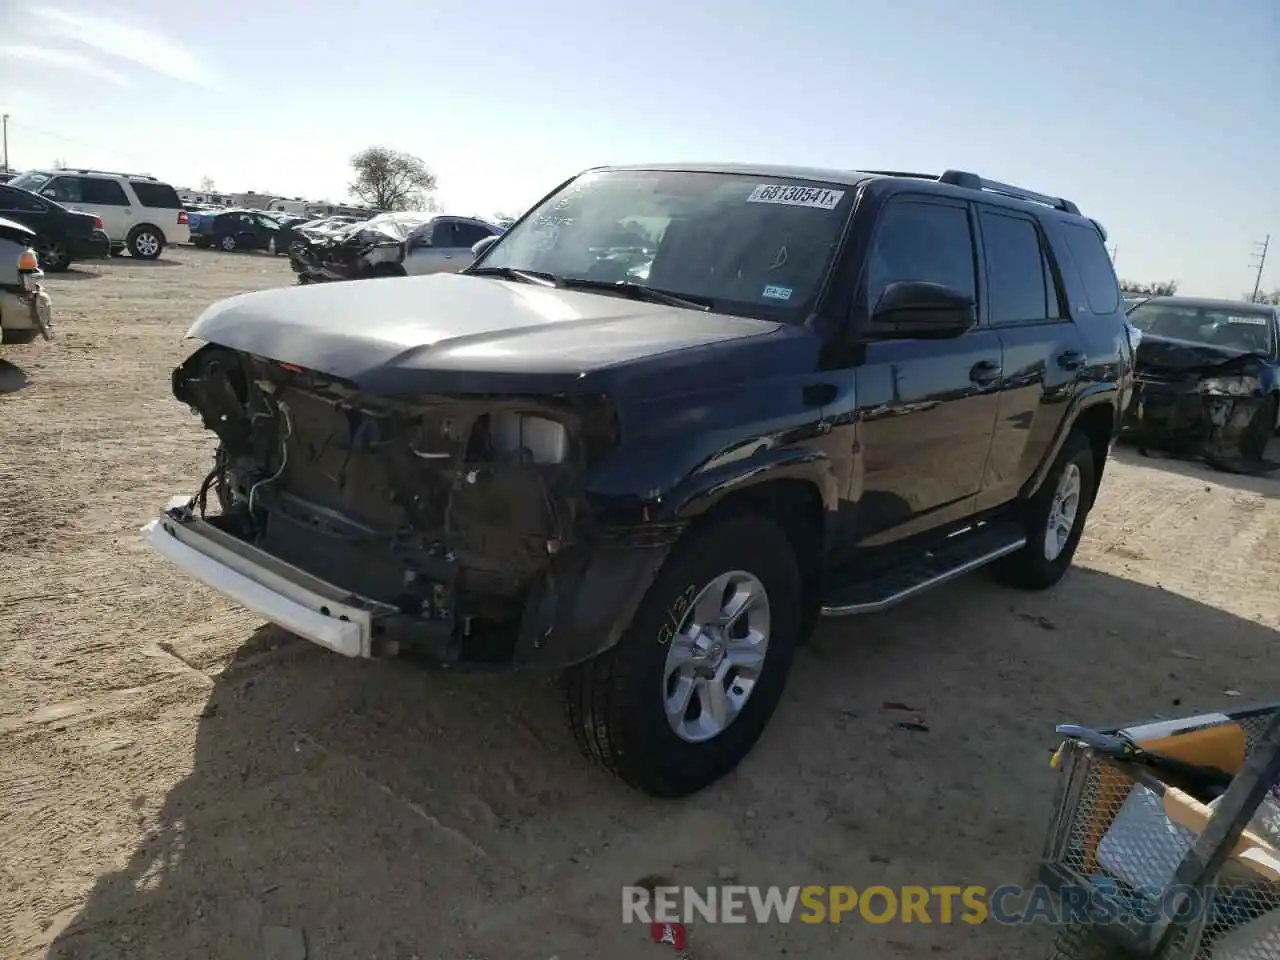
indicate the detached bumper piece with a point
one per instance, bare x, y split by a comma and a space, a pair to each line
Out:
284, 595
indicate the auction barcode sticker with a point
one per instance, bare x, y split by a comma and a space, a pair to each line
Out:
793, 196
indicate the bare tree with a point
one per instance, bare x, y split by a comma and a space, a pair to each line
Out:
391, 180
60, 165
1163, 288
1272, 298
206, 185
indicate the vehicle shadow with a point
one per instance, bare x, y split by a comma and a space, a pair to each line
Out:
12, 377
137, 262
74, 273
1266, 485
380, 809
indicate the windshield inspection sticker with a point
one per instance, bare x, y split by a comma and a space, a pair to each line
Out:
793, 196
1251, 321
777, 293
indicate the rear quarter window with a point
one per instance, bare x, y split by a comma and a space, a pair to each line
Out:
1086, 249
159, 195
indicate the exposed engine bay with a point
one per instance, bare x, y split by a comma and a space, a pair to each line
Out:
439, 512
1219, 410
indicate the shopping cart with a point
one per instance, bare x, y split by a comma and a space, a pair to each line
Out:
1145, 861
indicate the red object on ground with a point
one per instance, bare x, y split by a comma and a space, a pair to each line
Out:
672, 933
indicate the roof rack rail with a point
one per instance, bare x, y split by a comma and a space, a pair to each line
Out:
109, 173
971, 181
900, 173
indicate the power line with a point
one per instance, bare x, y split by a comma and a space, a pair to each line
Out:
1262, 259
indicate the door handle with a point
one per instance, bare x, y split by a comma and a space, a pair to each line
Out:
1070, 359
984, 371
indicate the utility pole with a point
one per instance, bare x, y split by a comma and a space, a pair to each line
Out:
1262, 259
4, 126
1115, 252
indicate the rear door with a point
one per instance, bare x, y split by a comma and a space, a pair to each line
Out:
29, 210
1044, 353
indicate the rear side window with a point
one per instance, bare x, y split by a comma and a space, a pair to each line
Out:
160, 195
1091, 259
442, 234
469, 234
99, 190
921, 241
19, 200
1020, 289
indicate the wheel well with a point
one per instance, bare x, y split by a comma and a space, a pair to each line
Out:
150, 226
796, 505
1097, 423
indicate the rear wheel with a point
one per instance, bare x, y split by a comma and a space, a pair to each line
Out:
52, 254
689, 688
1054, 520
145, 243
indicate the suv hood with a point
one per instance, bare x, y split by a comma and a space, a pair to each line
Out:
452, 333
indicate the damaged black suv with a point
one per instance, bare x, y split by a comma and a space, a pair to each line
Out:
669, 418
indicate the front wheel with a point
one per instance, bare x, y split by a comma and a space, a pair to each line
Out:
1054, 520
689, 688
227, 243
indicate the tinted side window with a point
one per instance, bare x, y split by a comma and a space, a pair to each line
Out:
1018, 289
469, 234
64, 189
98, 190
442, 234
1091, 259
921, 241
14, 199
156, 194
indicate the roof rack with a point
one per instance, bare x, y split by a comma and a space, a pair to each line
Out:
971, 181
109, 173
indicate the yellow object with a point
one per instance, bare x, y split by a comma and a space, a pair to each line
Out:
27, 260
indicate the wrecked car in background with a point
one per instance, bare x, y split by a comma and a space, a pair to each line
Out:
1208, 380
25, 310
389, 245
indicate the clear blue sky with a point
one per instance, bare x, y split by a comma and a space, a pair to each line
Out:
1161, 119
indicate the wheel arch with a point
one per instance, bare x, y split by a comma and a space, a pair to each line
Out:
133, 231
1095, 415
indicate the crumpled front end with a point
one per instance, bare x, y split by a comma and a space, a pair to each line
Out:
456, 526
1215, 410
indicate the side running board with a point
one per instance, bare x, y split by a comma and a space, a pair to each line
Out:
961, 554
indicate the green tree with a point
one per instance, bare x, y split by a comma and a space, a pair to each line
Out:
391, 180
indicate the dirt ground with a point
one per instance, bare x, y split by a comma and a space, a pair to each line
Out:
178, 781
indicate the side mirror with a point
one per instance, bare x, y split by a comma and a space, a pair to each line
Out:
480, 246
918, 308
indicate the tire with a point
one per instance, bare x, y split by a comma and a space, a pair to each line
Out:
227, 242
616, 702
145, 243
1032, 568
53, 255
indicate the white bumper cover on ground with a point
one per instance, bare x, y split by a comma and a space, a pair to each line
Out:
282, 594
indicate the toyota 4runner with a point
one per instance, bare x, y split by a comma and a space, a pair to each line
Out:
667, 420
